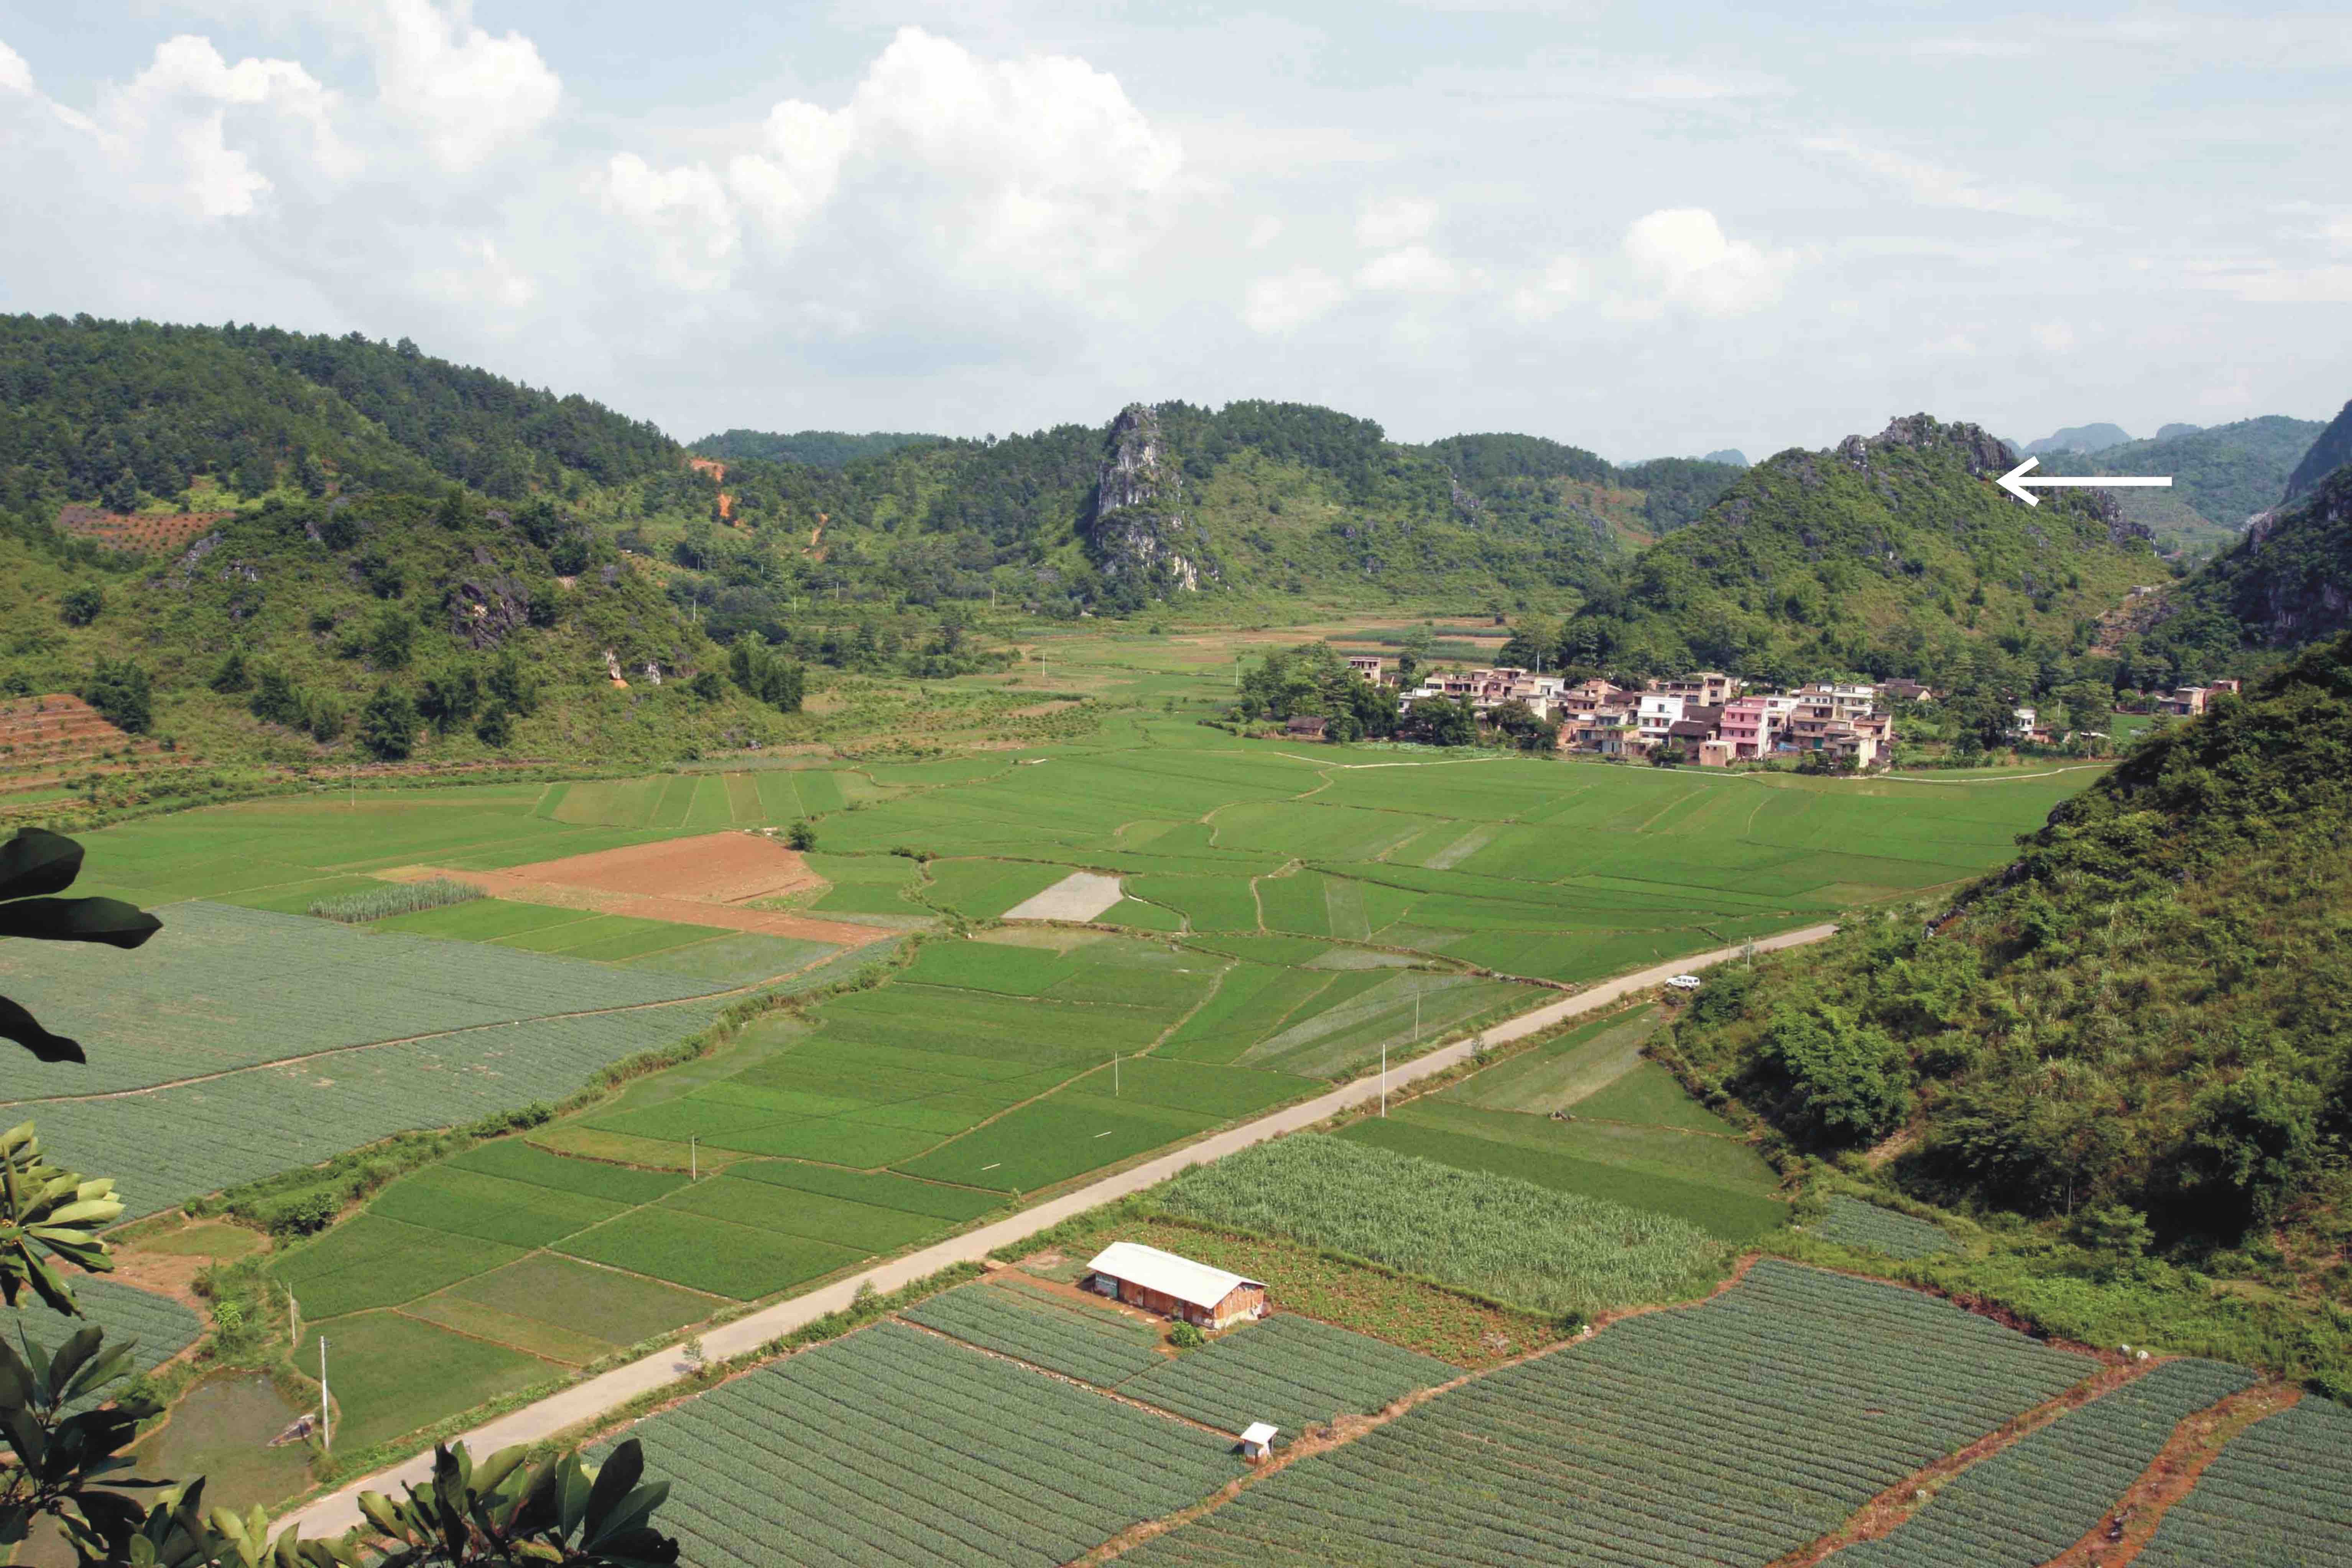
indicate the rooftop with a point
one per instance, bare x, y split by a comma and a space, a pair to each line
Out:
1194, 1284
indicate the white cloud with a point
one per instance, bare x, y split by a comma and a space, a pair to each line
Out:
1264, 232
467, 93
682, 215
1395, 221
488, 278
1932, 185
15, 75
1415, 269
168, 129
2052, 337
791, 178
1288, 300
1564, 283
1681, 257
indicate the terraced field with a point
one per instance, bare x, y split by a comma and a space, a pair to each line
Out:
895, 1447
1728, 1434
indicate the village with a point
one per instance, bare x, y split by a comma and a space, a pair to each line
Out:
1709, 718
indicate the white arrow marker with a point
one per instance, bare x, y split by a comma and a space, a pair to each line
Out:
2015, 486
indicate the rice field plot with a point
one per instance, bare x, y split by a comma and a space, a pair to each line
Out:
221, 987
373, 1260
576, 1297
742, 958
866, 884
892, 1445
879, 1189
1095, 1344
790, 1211
1715, 1184
1288, 1370
2032, 1501
1349, 1019
1650, 1096
1252, 1002
2279, 1496
713, 1255
983, 889
474, 1204
1849, 1222
162, 1327
1066, 1134
1505, 1239
1559, 1072
168, 1145
1207, 902
1730, 1433
391, 1374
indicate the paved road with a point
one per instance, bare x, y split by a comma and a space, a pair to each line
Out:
586, 1401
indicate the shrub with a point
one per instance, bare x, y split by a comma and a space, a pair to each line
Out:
79, 606
395, 899
388, 725
1185, 1337
119, 690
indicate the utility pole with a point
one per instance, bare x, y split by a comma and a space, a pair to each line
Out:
326, 1407
1114, 1075
693, 1157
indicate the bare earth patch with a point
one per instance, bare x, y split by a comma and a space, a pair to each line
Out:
700, 881
1080, 896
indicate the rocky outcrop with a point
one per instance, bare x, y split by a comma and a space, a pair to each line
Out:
1980, 451
1135, 531
2289, 582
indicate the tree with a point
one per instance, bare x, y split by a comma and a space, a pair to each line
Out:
275, 699
1845, 1084
389, 639
1412, 652
1442, 721
1526, 729
120, 691
496, 729
449, 697
79, 606
707, 687
758, 670
231, 676
802, 834
388, 724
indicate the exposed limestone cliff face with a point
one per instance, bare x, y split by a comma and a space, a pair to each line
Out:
1135, 531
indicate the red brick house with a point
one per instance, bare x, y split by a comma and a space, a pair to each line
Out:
1175, 1287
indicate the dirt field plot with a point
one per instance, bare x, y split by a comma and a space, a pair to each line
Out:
1080, 896
725, 868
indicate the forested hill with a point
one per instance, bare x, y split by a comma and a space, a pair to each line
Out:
817, 448
2331, 449
1895, 554
2152, 1007
2286, 584
2221, 476
133, 412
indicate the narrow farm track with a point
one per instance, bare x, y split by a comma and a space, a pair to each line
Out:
587, 1403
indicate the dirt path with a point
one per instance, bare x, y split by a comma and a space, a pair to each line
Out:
588, 1402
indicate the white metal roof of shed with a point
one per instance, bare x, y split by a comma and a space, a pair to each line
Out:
1195, 1284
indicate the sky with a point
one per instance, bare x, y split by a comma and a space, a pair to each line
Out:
1648, 229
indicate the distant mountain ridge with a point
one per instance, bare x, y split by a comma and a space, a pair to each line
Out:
2331, 449
2221, 476
2077, 438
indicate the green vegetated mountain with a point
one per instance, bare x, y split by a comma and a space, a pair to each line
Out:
817, 448
2330, 450
1895, 554
1677, 490
2077, 438
2151, 1007
2286, 584
2221, 476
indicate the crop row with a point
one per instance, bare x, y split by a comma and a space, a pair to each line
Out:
395, 899
2280, 1495
1550, 1251
1728, 1434
2035, 1499
1289, 1370
1094, 1345
172, 1144
893, 1447
233, 987
1849, 1222
162, 1327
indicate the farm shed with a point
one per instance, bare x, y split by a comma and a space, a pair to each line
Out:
1306, 726
1175, 1287
1258, 1439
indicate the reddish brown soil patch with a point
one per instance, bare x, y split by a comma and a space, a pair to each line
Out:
44, 739
724, 868
688, 881
138, 531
